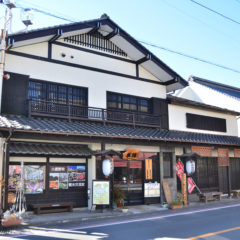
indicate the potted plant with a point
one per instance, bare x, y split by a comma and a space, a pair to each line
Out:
178, 203
118, 196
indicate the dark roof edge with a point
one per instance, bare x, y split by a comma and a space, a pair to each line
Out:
165, 139
186, 102
212, 83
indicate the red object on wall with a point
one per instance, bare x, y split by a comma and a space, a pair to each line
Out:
179, 169
135, 165
223, 157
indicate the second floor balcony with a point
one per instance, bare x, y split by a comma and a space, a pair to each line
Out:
72, 112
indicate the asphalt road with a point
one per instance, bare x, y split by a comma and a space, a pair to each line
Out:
221, 223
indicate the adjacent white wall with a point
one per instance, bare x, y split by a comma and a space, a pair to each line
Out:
177, 120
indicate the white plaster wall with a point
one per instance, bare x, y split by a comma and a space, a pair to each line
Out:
40, 49
177, 120
97, 83
121, 147
93, 60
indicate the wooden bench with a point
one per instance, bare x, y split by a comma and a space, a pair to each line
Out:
210, 196
52, 207
235, 193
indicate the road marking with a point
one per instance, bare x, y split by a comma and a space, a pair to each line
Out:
29, 233
214, 233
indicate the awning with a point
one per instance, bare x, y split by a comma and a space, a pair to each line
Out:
49, 149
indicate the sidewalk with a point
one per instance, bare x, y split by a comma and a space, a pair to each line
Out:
84, 214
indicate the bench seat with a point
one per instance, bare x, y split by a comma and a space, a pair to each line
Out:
52, 207
236, 193
210, 196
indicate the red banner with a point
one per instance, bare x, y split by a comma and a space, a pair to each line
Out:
191, 185
120, 164
179, 169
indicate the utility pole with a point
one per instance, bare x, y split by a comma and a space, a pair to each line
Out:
4, 32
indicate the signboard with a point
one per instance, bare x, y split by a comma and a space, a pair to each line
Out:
223, 157
148, 169
202, 151
167, 191
151, 189
179, 169
101, 192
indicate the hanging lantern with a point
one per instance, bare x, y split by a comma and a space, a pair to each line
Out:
107, 167
27, 16
190, 167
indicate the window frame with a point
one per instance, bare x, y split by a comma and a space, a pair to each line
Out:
120, 104
46, 91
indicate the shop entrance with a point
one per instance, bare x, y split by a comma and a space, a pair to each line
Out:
128, 174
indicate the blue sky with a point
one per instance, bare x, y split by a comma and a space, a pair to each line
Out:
179, 25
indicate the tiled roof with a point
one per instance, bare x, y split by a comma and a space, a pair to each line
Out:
222, 88
49, 149
53, 126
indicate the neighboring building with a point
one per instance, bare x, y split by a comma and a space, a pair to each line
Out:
81, 88
211, 93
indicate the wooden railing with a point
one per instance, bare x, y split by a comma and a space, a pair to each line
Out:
71, 112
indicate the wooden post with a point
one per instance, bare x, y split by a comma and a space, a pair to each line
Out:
161, 176
184, 188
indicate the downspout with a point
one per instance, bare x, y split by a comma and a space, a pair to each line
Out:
4, 170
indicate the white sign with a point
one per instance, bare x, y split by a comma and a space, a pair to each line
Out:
151, 189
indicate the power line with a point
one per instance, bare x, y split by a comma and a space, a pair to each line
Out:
211, 10
191, 57
152, 45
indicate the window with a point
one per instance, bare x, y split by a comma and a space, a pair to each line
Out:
167, 165
77, 96
128, 103
37, 90
206, 123
57, 93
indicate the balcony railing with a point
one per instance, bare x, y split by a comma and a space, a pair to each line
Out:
71, 112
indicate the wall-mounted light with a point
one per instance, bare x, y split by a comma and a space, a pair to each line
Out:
190, 167
27, 16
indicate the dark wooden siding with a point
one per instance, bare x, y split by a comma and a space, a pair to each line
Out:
14, 94
160, 108
207, 173
223, 179
235, 173
206, 123
79, 197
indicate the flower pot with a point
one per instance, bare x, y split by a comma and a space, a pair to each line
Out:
176, 206
125, 210
11, 222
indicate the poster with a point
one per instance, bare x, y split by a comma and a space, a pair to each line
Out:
101, 192
76, 176
14, 176
58, 177
34, 178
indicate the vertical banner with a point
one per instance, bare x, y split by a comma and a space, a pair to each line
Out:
184, 188
148, 169
223, 157
191, 185
179, 169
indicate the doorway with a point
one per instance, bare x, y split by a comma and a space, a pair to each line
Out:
128, 174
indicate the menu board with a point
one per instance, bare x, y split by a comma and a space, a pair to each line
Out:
101, 192
151, 189
64, 177
14, 176
34, 178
